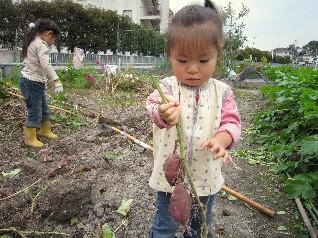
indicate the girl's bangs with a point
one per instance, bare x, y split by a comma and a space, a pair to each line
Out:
195, 40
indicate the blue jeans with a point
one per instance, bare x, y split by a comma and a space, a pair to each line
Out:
34, 97
163, 225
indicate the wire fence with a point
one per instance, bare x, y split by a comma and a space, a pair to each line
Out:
66, 58
60, 60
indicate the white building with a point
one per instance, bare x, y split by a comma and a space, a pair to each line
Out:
149, 13
153, 14
282, 52
308, 59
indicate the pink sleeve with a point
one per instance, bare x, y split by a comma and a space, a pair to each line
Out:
230, 119
152, 103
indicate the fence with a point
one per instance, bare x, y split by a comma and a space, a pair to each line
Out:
59, 60
120, 60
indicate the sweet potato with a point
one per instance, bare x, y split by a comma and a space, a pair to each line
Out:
173, 169
180, 204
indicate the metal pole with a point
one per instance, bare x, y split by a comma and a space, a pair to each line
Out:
16, 46
117, 43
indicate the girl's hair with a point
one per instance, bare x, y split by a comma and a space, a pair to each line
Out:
196, 27
40, 26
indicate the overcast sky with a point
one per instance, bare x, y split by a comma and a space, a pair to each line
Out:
273, 23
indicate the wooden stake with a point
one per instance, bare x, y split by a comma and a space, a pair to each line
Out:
50, 106
267, 211
311, 230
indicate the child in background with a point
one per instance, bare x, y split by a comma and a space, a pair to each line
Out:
35, 74
205, 108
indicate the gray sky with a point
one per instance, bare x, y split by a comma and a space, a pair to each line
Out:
273, 23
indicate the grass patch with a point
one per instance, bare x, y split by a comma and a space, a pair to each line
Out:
72, 121
121, 99
254, 157
244, 94
296, 227
14, 77
112, 155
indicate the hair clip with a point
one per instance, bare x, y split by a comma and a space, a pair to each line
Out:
32, 25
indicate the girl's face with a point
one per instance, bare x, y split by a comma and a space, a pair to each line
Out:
193, 68
48, 37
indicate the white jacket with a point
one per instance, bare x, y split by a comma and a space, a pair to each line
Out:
36, 64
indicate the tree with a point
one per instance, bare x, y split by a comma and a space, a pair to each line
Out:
311, 48
256, 54
281, 60
9, 24
234, 37
90, 28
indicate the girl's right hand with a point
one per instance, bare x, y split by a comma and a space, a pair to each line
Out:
170, 112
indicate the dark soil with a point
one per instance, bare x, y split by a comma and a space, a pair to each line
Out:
83, 177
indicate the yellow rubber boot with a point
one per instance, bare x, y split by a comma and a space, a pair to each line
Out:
46, 130
30, 138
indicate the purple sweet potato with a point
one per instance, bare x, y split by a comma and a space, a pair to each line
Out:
180, 204
173, 169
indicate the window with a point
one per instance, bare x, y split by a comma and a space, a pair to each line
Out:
127, 13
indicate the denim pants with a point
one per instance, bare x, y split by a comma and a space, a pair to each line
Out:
34, 97
163, 225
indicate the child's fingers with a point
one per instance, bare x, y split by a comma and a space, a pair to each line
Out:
214, 149
227, 158
205, 144
174, 115
174, 122
172, 99
220, 153
171, 112
164, 107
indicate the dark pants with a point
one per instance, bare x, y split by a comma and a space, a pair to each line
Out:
34, 96
163, 225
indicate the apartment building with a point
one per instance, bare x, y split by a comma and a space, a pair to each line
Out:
153, 14
149, 13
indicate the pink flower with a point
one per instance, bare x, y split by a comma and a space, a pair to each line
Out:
89, 78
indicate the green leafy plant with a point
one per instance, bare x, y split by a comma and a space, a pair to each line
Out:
258, 156
13, 77
111, 155
124, 207
81, 78
288, 127
130, 80
107, 232
302, 185
12, 173
3, 93
72, 121
74, 221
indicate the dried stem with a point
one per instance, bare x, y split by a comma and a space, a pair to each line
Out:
25, 234
14, 194
39, 193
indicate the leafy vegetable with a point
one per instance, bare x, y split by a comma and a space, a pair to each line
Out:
107, 232
12, 173
124, 207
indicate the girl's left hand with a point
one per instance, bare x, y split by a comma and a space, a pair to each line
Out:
58, 87
218, 150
